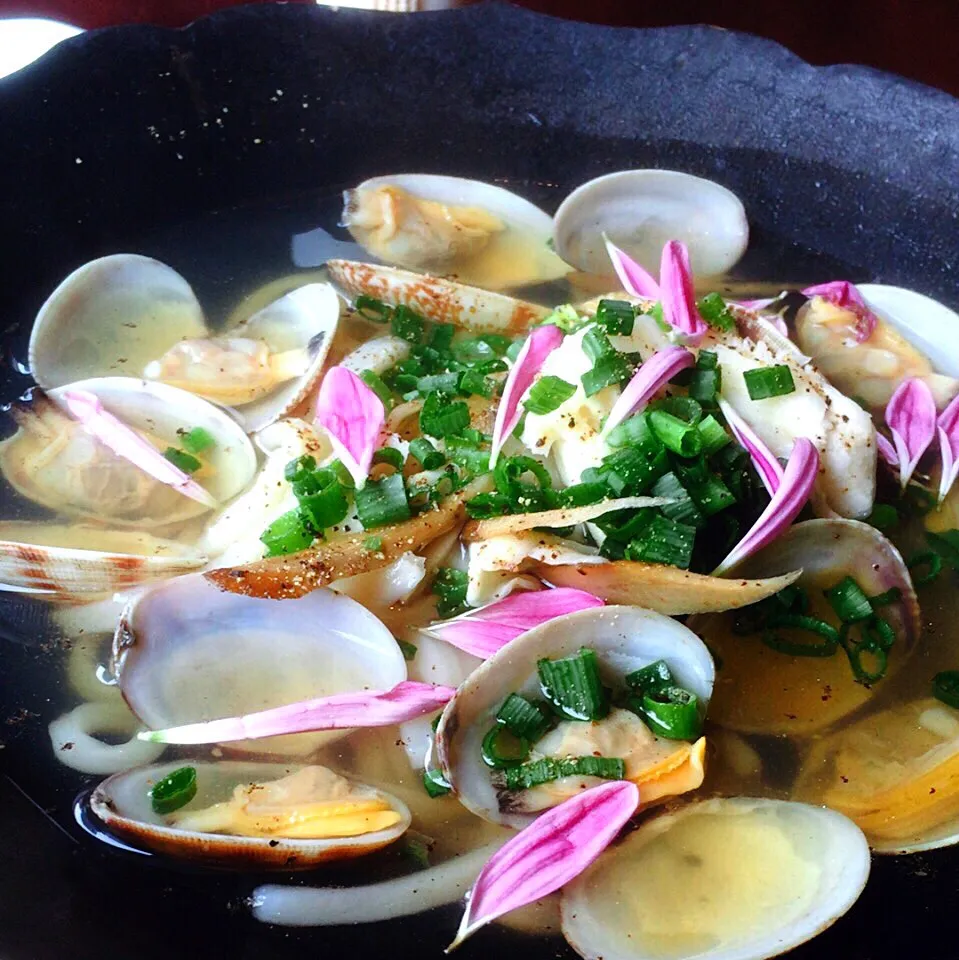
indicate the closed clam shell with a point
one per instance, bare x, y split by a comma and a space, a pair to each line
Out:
122, 803
724, 879
624, 638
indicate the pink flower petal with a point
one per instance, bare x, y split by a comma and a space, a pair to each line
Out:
948, 429
369, 708
483, 631
632, 276
539, 345
794, 490
845, 294
556, 847
353, 416
911, 418
886, 450
678, 298
125, 442
658, 370
767, 466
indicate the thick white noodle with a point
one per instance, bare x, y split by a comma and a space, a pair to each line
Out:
333, 906
75, 744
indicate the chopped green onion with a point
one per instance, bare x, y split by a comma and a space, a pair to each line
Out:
442, 337
382, 502
182, 460
408, 649
514, 349
197, 440
175, 790
634, 432
946, 544
473, 383
707, 360
547, 394
709, 493
849, 601
450, 587
856, 654
486, 505
372, 309
408, 325
796, 621
663, 541
878, 632
611, 369
288, 533
373, 544
714, 310
616, 316
584, 494
765, 382
656, 674
684, 408
326, 507
375, 382
675, 434
932, 563
945, 687
629, 470
712, 434
573, 686
523, 718
440, 418
429, 457
682, 509
345, 478
299, 469
444, 382
670, 712
417, 847
537, 772
390, 456
565, 317
705, 385
435, 783
892, 595
884, 517
502, 749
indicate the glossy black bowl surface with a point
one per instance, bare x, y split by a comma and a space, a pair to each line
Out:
140, 132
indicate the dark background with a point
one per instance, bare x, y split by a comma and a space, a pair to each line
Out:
917, 38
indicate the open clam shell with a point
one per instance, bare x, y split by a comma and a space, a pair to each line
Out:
737, 879
484, 234
85, 479
122, 803
803, 695
79, 561
439, 300
111, 317
640, 210
185, 652
895, 773
624, 638
120, 316
908, 341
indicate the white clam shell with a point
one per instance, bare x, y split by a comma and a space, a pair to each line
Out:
640, 210
185, 652
74, 562
928, 325
114, 316
804, 866
110, 316
122, 803
437, 299
157, 410
516, 256
624, 638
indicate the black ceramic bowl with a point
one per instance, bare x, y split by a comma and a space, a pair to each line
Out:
125, 139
